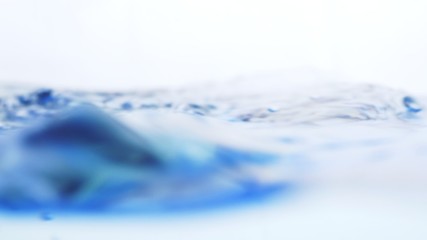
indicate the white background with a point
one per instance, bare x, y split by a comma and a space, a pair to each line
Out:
123, 44
128, 44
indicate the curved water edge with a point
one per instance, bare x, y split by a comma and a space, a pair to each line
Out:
80, 151
287, 105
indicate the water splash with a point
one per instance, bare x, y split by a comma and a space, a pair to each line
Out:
285, 105
69, 150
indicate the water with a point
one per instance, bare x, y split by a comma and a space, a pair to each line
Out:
203, 147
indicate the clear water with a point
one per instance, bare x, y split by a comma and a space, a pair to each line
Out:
203, 147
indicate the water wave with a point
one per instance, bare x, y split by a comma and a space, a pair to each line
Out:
71, 150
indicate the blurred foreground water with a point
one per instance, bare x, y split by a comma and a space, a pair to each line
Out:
338, 160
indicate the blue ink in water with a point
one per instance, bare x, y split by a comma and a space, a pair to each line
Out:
411, 104
67, 151
46, 216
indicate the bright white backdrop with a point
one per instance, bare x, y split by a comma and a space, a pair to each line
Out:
133, 43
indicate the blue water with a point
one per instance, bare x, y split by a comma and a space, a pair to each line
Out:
202, 147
